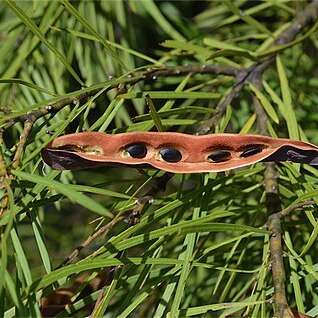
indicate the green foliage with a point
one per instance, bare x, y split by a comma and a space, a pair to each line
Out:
201, 247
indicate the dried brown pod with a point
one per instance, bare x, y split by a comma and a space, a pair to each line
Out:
173, 152
55, 302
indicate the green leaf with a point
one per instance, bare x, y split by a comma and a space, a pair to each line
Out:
154, 114
164, 24
287, 100
227, 49
245, 16
265, 103
171, 95
279, 48
248, 125
32, 26
67, 191
68, 270
186, 46
186, 257
113, 44
193, 311
232, 53
28, 84
178, 111
295, 280
87, 25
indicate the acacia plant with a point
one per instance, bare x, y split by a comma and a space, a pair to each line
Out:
119, 242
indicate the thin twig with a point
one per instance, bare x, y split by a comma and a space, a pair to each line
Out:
281, 307
51, 108
246, 76
303, 18
243, 77
134, 78
196, 69
292, 208
274, 222
28, 124
132, 218
103, 230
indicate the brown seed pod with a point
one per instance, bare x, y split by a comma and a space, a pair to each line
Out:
173, 152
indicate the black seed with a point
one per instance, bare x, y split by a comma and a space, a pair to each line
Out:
170, 154
220, 156
250, 152
137, 151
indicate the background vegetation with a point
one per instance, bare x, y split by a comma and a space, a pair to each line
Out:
201, 247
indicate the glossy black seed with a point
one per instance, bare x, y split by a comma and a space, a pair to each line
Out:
250, 152
220, 156
170, 154
137, 151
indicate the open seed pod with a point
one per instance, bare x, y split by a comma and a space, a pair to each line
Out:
173, 152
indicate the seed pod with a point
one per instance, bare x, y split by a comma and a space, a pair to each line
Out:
184, 153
